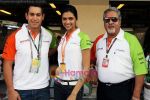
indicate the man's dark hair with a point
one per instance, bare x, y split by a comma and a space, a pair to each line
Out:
35, 5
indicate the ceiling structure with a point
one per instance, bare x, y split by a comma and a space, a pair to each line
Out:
18, 7
89, 2
135, 14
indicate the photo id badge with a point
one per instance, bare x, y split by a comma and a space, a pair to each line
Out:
35, 65
105, 62
63, 67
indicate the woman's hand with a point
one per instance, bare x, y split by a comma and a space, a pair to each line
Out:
72, 97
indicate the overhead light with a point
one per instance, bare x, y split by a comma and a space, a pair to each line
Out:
6, 12
120, 6
11, 26
52, 5
58, 12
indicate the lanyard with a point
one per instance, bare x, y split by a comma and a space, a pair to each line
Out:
37, 48
63, 46
108, 48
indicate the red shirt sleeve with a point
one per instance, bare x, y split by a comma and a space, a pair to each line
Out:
9, 48
93, 50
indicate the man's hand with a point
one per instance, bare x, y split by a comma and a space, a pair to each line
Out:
93, 76
13, 95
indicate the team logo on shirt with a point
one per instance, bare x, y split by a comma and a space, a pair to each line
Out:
99, 49
26, 40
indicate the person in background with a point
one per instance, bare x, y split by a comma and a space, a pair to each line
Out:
28, 48
119, 59
73, 58
2, 94
147, 80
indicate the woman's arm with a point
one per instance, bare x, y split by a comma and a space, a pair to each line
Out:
86, 66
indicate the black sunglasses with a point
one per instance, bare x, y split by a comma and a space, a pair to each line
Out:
113, 19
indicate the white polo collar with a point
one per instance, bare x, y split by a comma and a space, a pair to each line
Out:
119, 36
75, 32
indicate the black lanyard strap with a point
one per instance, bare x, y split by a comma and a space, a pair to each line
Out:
36, 47
108, 48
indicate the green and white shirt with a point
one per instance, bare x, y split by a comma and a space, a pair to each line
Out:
126, 58
73, 54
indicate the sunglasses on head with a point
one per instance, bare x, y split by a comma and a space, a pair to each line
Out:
113, 19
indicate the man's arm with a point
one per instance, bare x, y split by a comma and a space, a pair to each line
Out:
139, 64
93, 50
8, 55
93, 76
139, 81
8, 76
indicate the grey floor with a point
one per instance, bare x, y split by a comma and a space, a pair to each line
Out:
3, 89
91, 96
87, 97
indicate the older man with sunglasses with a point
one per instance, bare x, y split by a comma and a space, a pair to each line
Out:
119, 59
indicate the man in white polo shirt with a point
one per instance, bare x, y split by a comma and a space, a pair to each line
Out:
28, 48
119, 59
